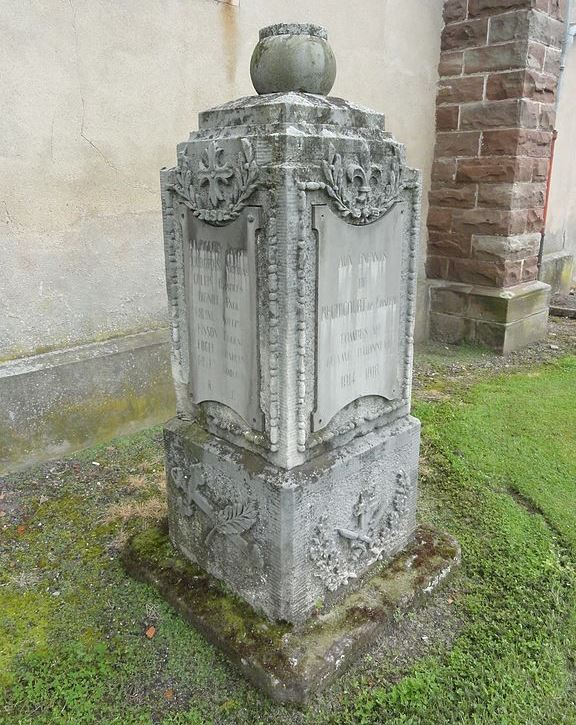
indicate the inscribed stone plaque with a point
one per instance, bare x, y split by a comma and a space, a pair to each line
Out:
221, 293
358, 314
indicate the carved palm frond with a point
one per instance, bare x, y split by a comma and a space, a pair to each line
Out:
234, 519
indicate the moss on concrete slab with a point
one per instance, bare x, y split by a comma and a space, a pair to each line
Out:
290, 663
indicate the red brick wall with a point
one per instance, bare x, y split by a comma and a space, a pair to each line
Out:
498, 69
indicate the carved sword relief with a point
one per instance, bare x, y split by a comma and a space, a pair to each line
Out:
337, 557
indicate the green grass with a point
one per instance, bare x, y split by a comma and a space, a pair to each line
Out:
499, 472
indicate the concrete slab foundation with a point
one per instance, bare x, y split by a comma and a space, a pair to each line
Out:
292, 663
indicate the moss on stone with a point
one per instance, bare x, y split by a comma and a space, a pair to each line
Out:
94, 419
287, 661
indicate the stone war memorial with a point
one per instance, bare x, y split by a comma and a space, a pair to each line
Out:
291, 225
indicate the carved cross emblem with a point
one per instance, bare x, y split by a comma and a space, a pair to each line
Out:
212, 172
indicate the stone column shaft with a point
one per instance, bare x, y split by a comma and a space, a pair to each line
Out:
495, 115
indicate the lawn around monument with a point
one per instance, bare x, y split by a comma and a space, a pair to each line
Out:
81, 642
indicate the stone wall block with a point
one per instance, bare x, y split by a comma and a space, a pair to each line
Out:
511, 196
451, 329
469, 34
486, 221
461, 90
502, 248
530, 269
448, 244
546, 30
501, 86
539, 170
496, 57
440, 219
521, 84
531, 24
457, 143
552, 61
509, 26
448, 301
451, 64
478, 8
495, 169
534, 220
536, 56
479, 272
547, 117
444, 170
516, 142
455, 10
437, 267
447, 118
557, 9
452, 195
500, 114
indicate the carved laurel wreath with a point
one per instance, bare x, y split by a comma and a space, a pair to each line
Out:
361, 191
230, 185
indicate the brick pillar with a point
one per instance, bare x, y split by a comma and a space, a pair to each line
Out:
498, 72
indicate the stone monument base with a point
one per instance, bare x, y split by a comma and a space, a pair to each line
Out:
503, 319
285, 540
290, 663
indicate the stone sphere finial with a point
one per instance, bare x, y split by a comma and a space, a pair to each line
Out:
293, 57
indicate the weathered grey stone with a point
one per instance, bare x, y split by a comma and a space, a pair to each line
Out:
291, 224
293, 57
557, 270
502, 319
292, 663
268, 533
58, 402
518, 246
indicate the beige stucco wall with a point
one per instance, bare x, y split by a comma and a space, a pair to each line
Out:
561, 219
94, 98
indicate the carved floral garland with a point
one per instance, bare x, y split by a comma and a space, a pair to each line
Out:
230, 185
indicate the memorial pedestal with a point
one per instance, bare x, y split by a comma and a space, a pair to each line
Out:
291, 223
285, 540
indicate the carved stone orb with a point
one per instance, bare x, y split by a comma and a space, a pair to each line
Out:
293, 57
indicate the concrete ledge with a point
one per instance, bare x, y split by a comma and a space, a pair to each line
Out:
291, 663
58, 402
556, 269
503, 319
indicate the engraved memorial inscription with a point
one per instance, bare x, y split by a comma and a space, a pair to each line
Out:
358, 313
221, 294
